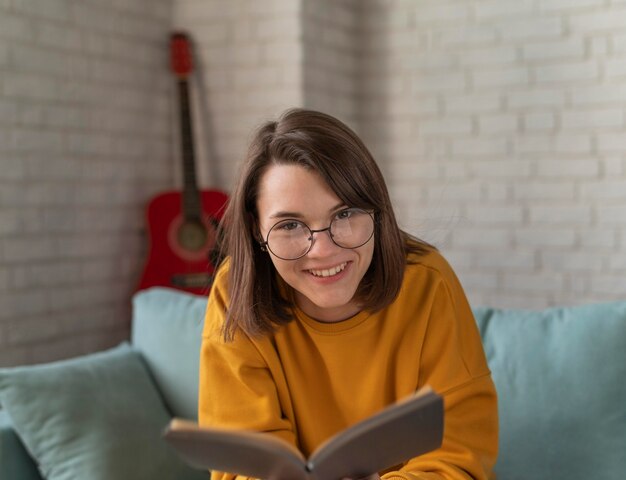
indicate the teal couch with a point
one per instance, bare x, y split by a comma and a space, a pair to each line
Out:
560, 374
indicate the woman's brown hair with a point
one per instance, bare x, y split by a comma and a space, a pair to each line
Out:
323, 144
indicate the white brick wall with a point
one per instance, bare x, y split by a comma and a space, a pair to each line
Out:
256, 59
330, 57
249, 67
523, 163
499, 124
85, 139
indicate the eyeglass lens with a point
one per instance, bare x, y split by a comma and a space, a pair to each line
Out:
292, 239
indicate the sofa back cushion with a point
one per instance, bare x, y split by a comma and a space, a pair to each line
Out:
167, 329
560, 374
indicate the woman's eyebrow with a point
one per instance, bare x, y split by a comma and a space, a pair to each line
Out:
287, 214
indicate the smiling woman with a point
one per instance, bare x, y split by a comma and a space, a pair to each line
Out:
323, 311
323, 146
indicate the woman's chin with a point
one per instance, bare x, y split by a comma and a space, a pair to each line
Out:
328, 308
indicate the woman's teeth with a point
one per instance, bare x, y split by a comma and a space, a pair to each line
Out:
330, 272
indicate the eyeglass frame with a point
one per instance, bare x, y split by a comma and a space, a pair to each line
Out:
265, 246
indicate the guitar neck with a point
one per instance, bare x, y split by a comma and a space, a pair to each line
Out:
192, 207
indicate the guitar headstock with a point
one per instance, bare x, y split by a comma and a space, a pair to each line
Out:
180, 51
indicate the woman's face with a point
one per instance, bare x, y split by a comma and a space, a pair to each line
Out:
327, 277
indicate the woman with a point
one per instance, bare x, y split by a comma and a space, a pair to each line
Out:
324, 311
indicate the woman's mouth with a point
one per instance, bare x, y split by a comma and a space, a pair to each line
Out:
330, 272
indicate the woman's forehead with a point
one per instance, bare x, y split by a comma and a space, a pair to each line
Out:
294, 191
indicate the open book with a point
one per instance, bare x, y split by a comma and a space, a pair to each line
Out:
411, 427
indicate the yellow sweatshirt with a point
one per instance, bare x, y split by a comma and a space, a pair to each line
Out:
311, 379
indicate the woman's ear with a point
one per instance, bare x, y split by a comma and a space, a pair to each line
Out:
257, 235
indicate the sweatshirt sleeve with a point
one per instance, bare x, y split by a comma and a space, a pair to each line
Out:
453, 363
236, 388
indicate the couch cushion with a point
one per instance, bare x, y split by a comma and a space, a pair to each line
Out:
98, 416
167, 329
560, 375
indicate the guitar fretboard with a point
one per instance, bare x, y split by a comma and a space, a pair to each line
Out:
192, 209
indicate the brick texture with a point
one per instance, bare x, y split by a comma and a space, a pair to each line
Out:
531, 116
85, 140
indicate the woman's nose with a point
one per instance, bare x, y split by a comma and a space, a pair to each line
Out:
322, 244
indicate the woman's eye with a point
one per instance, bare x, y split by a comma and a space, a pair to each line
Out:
289, 225
344, 214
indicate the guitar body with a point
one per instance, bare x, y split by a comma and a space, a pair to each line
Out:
180, 250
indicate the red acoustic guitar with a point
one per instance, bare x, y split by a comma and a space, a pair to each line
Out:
182, 225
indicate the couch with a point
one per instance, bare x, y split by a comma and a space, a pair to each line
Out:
560, 375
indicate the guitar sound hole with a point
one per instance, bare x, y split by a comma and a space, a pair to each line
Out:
192, 236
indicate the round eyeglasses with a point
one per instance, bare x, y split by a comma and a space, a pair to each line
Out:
291, 239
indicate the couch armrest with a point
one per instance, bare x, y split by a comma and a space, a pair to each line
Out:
14, 459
